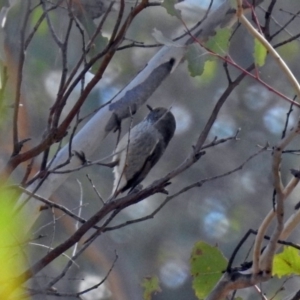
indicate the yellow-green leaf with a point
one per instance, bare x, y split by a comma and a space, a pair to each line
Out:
207, 263
210, 68
287, 262
151, 286
260, 53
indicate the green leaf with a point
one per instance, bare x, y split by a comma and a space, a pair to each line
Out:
260, 53
210, 68
219, 43
207, 263
151, 286
287, 262
195, 58
169, 5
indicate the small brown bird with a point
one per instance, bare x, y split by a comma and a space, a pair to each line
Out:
147, 142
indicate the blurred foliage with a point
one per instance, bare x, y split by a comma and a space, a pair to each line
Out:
13, 239
150, 286
289, 50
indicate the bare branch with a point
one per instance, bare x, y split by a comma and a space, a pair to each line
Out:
55, 205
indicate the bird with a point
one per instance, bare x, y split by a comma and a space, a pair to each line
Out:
141, 148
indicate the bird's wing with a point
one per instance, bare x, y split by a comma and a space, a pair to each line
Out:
118, 170
151, 158
131, 158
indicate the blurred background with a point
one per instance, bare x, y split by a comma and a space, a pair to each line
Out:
220, 212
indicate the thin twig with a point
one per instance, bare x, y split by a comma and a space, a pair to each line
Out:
95, 189
287, 120
47, 247
283, 27
216, 142
55, 205
103, 280
261, 294
79, 214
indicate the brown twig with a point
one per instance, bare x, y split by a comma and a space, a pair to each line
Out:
95, 189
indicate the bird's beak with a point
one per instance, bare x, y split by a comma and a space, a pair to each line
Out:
149, 107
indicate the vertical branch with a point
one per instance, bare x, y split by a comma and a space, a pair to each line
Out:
109, 53
265, 261
64, 49
17, 145
119, 19
63, 46
4, 79
268, 19
85, 51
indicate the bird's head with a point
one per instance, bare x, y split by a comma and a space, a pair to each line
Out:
163, 120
